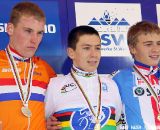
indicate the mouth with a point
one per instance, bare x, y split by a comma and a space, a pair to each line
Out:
154, 57
31, 48
92, 62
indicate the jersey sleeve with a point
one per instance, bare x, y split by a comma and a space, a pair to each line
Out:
118, 100
49, 99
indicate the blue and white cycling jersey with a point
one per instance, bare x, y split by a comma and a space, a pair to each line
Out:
139, 106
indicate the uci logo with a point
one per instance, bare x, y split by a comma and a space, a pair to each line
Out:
68, 87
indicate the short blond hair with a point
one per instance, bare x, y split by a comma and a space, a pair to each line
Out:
139, 28
26, 9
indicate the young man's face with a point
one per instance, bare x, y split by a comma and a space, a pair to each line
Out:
87, 54
147, 49
26, 35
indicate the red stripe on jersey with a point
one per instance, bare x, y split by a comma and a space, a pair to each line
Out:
9, 81
155, 111
63, 114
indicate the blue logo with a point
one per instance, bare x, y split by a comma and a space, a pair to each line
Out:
84, 119
104, 86
106, 20
111, 31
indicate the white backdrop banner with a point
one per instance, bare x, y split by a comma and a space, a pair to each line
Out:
112, 21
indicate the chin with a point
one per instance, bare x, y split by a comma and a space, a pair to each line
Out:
91, 70
29, 56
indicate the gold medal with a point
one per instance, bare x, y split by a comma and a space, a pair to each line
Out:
97, 125
158, 117
26, 111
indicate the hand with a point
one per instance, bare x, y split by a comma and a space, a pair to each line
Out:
52, 123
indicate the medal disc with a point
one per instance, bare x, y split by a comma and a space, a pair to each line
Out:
97, 125
26, 111
158, 117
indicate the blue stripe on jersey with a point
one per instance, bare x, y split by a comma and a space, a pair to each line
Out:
125, 82
15, 96
37, 97
9, 96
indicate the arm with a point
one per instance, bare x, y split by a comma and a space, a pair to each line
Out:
52, 123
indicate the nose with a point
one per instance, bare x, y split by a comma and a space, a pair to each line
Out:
94, 52
156, 48
34, 38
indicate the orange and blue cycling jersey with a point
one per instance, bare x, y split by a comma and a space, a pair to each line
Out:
10, 101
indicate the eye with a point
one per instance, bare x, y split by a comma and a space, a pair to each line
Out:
148, 44
28, 30
158, 43
40, 33
98, 48
86, 48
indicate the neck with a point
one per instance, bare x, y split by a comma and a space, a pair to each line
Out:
146, 69
82, 73
16, 54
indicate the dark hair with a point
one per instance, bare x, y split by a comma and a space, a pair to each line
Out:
76, 32
139, 28
26, 9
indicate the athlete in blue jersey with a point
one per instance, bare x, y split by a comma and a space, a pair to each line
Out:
139, 85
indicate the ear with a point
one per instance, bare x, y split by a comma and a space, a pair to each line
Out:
132, 50
10, 28
70, 52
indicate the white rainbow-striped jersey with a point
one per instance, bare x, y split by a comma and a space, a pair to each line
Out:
65, 101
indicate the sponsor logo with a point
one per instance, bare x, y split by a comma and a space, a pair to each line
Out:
49, 28
139, 91
37, 73
106, 20
5, 70
84, 119
104, 87
112, 32
68, 87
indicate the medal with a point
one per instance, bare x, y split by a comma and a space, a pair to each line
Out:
152, 91
158, 117
97, 125
24, 94
26, 111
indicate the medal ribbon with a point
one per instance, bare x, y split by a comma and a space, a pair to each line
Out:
86, 98
18, 79
149, 86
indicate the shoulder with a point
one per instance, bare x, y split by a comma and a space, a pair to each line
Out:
37, 60
106, 79
42, 64
2, 54
57, 83
122, 72
60, 79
